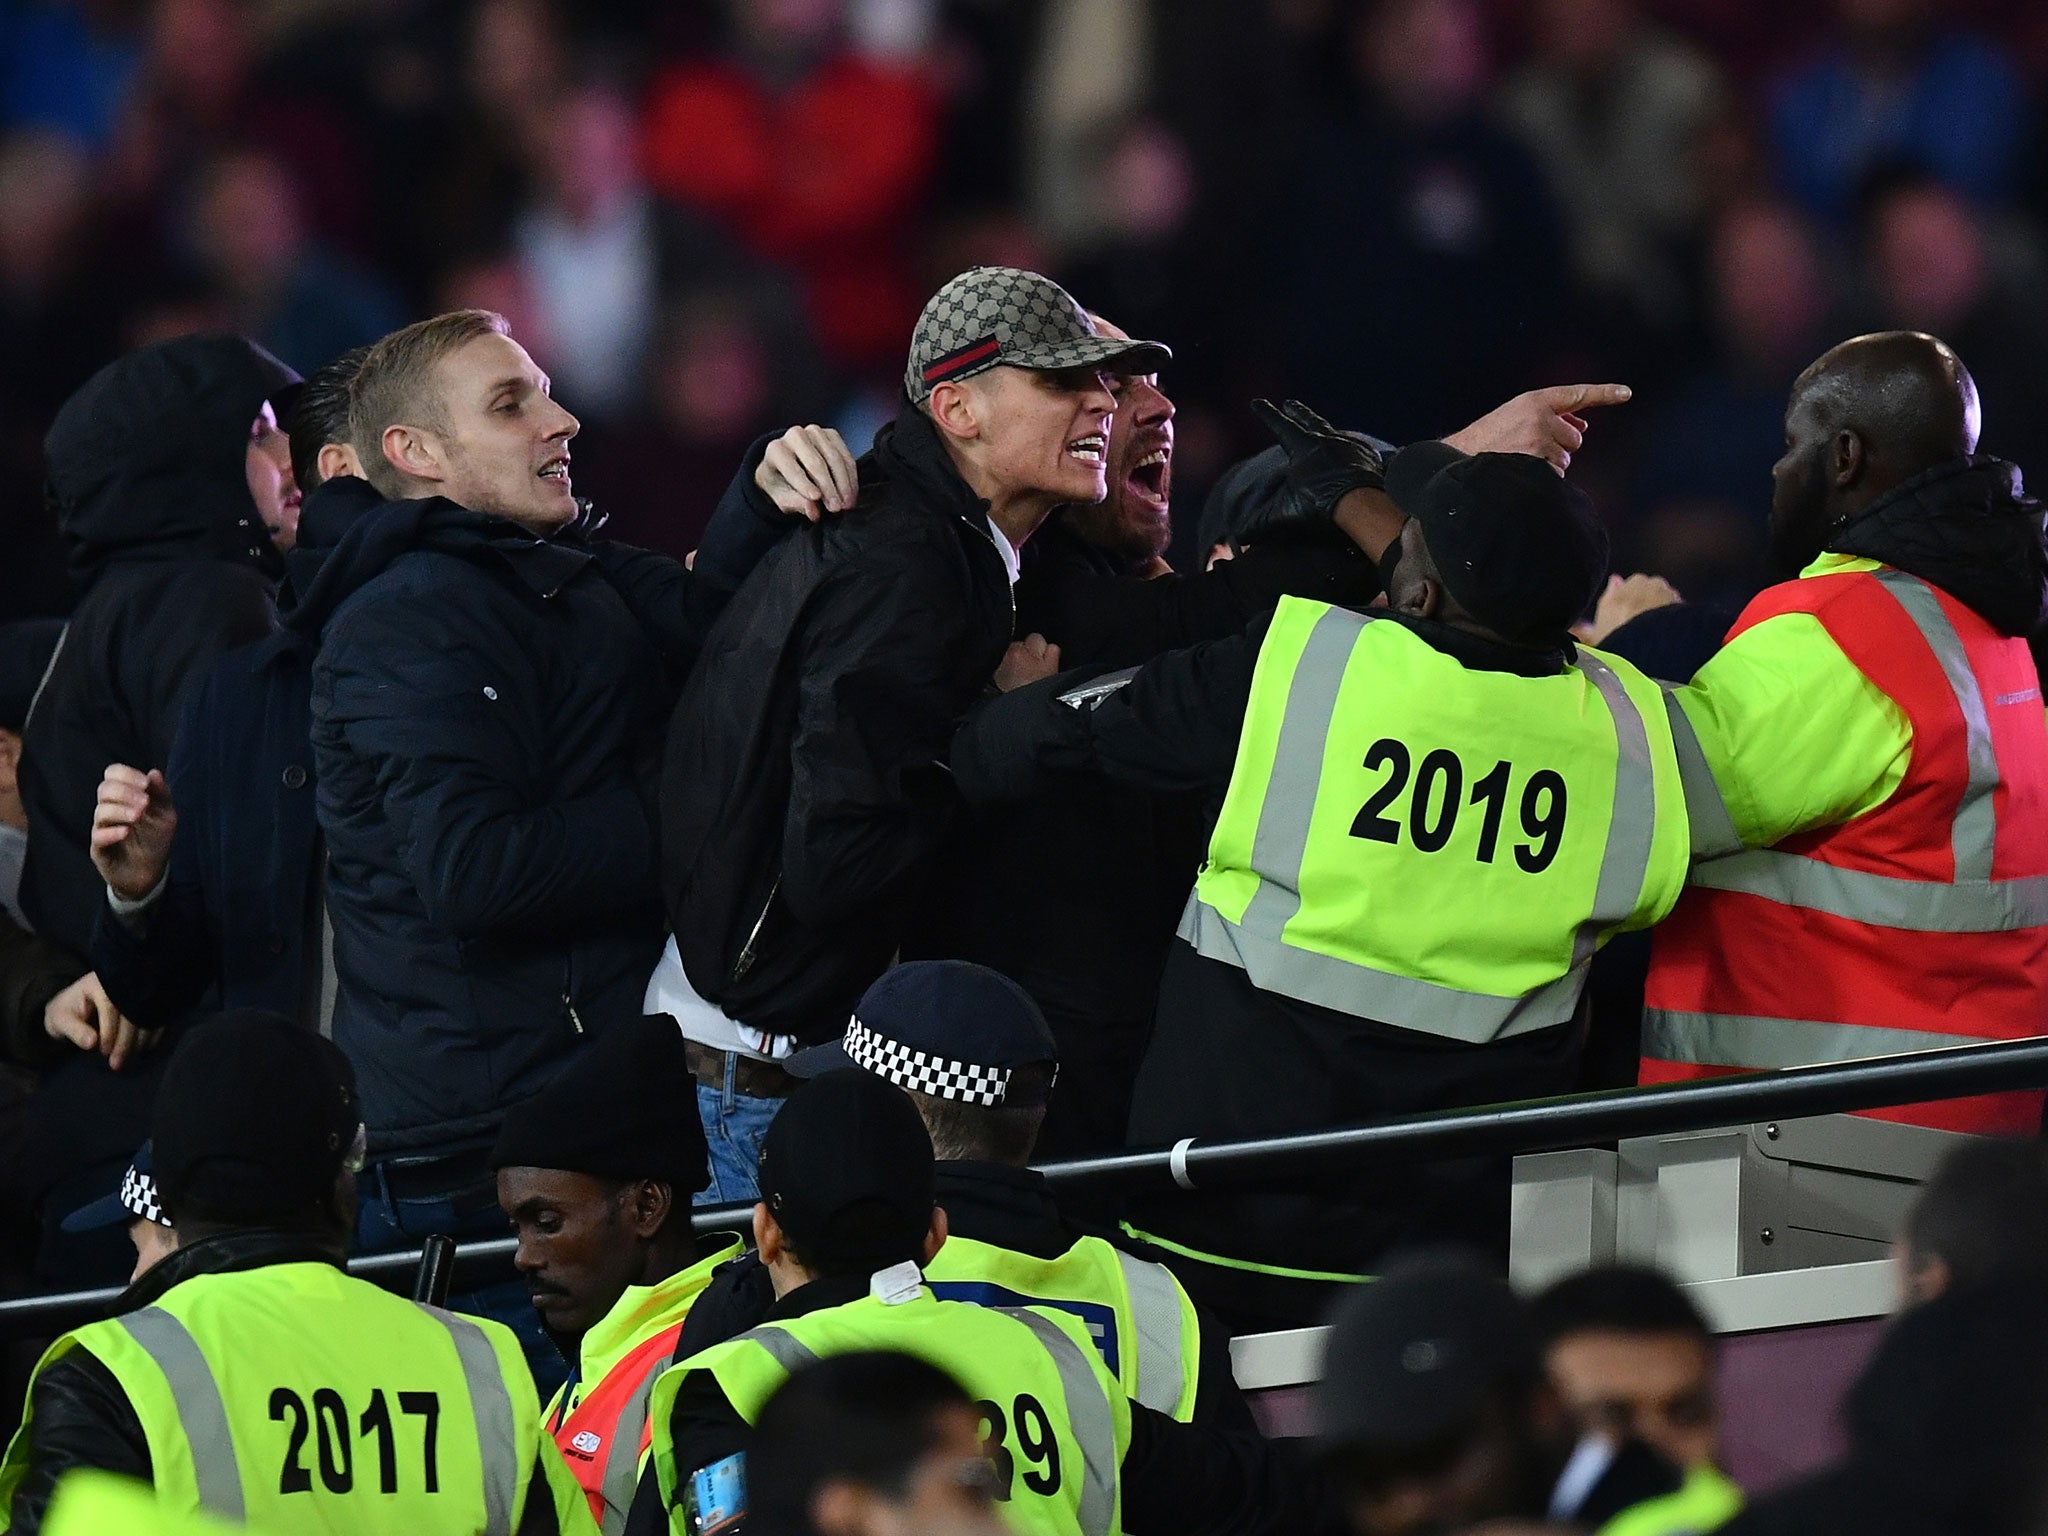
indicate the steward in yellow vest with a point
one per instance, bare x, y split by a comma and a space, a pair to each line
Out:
1432, 815
977, 1059
248, 1375
847, 1212
1434, 1414
595, 1173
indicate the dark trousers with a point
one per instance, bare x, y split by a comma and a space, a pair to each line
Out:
1228, 1061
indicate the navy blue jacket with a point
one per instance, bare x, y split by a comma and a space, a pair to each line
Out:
487, 710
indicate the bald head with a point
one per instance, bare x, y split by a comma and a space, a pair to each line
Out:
1864, 418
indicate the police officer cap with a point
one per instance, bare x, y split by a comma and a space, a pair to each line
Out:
622, 1109
254, 1120
847, 1172
1416, 1354
1518, 545
948, 1029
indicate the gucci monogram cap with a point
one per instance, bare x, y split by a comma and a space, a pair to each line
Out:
990, 317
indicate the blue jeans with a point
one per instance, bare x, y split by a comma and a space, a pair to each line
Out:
734, 1124
385, 1224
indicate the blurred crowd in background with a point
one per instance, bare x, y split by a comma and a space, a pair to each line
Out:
712, 219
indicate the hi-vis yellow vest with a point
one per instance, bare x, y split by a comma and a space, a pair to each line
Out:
1435, 847
1140, 1318
1056, 1421
297, 1399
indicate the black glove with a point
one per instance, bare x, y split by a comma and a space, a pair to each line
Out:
1323, 466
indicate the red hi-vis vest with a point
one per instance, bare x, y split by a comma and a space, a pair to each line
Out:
1919, 924
607, 1434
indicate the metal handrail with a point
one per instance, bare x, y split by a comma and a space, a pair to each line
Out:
1533, 1125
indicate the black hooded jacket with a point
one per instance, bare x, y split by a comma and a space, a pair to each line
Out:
1967, 527
172, 568
803, 791
486, 708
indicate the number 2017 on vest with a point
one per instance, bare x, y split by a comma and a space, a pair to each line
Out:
328, 1424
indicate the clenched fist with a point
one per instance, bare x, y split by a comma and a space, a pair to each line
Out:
1027, 661
85, 1016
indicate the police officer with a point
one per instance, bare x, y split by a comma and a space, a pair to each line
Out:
1877, 731
136, 1206
847, 1218
1435, 813
595, 1173
248, 1375
976, 1057
1433, 1414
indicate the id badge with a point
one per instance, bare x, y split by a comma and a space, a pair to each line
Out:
718, 1497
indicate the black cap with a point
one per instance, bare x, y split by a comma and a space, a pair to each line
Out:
847, 1172
136, 1196
946, 1028
624, 1108
26, 647
1518, 545
255, 1118
1415, 1355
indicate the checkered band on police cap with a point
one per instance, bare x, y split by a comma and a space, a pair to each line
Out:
139, 1197
923, 1072
989, 317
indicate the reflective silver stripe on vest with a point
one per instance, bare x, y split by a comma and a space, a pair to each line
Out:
622, 1461
202, 1416
1364, 993
1706, 813
790, 1353
1155, 1309
490, 1403
1088, 1415
1625, 862
1976, 823
1280, 844
1749, 1040
1885, 901
1281, 841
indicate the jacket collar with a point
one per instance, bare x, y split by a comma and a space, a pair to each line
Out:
1469, 650
1005, 1207
645, 1310
908, 450
229, 1253
829, 1291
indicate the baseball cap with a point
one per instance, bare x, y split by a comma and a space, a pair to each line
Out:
847, 1172
1416, 1353
946, 1028
1518, 545
137, 1196
255, 1119
611, 1112
991, 317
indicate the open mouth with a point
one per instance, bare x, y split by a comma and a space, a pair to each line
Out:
1089, 449
556, 471
1150, 476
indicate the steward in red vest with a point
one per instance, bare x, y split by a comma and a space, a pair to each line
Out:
596, 1173
1877, 734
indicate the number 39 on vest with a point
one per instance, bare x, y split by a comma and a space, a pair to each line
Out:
1055, 1421
1433, 846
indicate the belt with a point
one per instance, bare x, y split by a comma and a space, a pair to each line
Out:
755, 1079
453, 1177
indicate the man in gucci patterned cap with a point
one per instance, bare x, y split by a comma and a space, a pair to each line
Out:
803, 792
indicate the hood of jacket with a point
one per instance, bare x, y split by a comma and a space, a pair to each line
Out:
908, 450
146, 461
1967, 527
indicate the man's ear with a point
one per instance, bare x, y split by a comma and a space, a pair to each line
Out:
842, 1508
649, 1207
769, 1242
414, 453
935, 1235
336, 459
955, 410
1422, 597
1847, 457
10, 762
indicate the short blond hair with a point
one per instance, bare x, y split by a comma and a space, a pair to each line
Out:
395, 385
